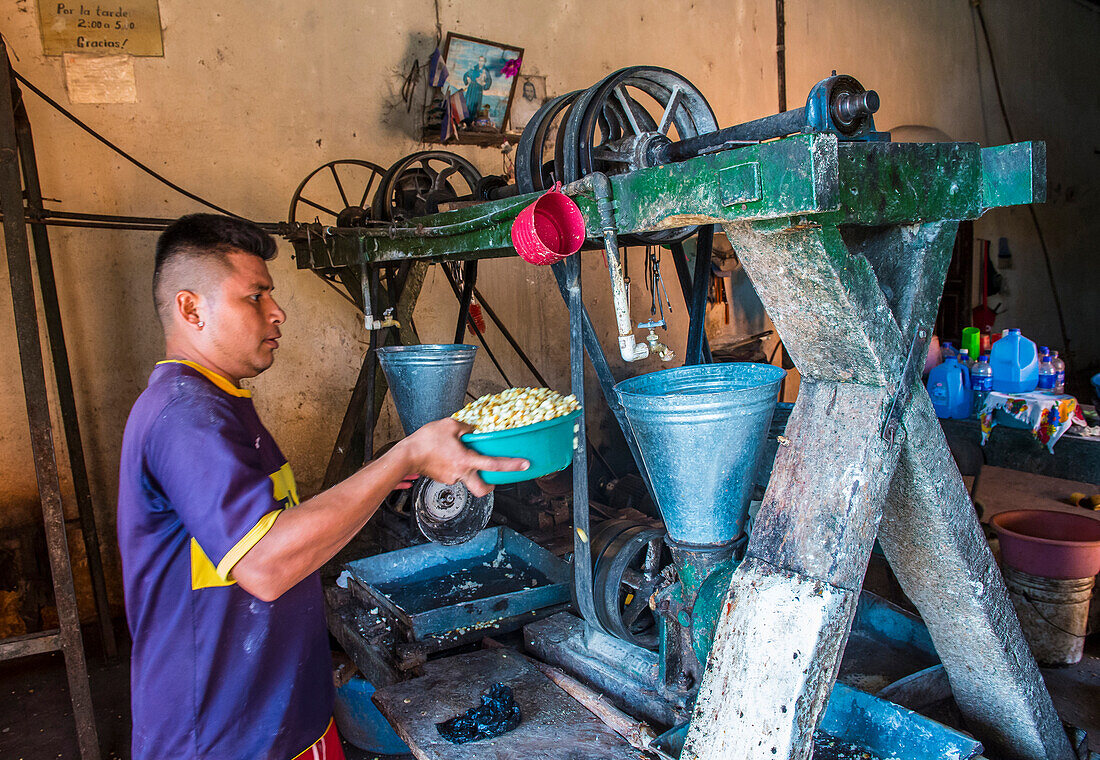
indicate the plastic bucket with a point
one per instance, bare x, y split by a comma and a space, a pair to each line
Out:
700, 431
547, 445
1053, 613
359, 721
1048, 543
428, 382
549, 230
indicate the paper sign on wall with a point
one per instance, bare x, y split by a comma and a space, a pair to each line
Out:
121, 27
100, 79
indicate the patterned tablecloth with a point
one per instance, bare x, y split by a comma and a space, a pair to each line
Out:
1047, 415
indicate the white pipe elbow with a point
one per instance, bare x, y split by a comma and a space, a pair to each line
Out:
631, 350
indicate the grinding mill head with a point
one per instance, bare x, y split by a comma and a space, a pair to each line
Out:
428, 382
700, 431
449, 514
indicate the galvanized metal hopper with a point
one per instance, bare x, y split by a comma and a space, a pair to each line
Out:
700, 431
428, 382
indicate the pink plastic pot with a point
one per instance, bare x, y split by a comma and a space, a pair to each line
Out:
1048, 543
548, 230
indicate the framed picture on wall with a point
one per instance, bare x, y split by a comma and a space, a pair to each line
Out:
530, 95
485, 74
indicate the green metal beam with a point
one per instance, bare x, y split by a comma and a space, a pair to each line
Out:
1014, 174
801, 178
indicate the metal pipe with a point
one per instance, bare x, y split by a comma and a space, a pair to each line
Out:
599, 185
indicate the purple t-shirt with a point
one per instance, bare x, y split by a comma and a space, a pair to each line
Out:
216, 673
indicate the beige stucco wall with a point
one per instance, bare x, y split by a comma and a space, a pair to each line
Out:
251, 97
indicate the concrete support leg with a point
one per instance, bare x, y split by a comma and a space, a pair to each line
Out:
778, 645
935, 545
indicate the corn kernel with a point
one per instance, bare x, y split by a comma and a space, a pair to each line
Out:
515, 407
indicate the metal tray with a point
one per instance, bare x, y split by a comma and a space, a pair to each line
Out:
433, 589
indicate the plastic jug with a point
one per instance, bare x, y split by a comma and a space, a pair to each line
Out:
949, 389
1015, 364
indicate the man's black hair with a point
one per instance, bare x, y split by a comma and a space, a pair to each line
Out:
193, 242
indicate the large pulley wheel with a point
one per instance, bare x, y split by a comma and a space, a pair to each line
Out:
337, 194
629, 558
449, 514
621, 124
419, 183
535, 167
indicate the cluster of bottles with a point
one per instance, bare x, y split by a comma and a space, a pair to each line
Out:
959, 386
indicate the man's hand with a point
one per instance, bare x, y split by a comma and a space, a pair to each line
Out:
436, 451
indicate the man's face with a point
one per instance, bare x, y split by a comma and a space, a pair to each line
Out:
242, 321
481, 62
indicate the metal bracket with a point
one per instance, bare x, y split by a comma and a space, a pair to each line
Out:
914, 362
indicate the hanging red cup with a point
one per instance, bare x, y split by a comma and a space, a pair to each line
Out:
549, 230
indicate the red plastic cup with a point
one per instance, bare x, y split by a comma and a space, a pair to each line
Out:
549, 230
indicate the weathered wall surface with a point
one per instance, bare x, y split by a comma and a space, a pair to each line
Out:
250, 98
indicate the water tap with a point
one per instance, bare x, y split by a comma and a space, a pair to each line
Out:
655, 345
387, 321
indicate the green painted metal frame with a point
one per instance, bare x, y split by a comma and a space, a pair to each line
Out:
810, 176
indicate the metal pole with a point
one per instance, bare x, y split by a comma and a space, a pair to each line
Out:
66, 397
582, 532
38, 414
697, 307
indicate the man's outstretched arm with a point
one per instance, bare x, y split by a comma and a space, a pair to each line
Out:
305, 537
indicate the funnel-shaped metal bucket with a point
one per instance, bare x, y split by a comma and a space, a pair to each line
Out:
700, 431
428, 382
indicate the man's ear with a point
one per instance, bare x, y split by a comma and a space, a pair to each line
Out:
189, 306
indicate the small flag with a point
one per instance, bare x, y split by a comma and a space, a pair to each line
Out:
437, 69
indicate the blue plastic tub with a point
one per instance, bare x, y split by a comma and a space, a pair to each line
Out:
358, 720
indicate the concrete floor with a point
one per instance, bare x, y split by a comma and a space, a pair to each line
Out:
36, 719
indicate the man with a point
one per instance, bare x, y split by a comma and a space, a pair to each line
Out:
230, 656
477, 80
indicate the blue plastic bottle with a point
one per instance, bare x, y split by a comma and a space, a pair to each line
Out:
949, 389
1015, 364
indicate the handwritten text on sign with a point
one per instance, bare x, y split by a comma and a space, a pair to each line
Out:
129, 27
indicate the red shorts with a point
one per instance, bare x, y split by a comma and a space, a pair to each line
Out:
326, 748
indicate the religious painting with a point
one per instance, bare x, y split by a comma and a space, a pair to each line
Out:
530, 95
483, 74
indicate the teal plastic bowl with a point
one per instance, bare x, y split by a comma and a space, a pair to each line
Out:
547, 445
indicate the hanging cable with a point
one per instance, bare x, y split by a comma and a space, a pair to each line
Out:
75, 120
977, 6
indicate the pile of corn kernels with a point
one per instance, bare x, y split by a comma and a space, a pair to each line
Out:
515, 408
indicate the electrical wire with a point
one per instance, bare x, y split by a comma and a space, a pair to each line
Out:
152, 173
977, 6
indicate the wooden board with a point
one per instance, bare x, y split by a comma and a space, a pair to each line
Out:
554, 726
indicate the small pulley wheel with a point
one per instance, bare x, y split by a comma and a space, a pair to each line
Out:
627, 573
449, 514
338, 193
418, 184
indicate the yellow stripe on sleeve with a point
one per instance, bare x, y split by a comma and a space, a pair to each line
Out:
233, 556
